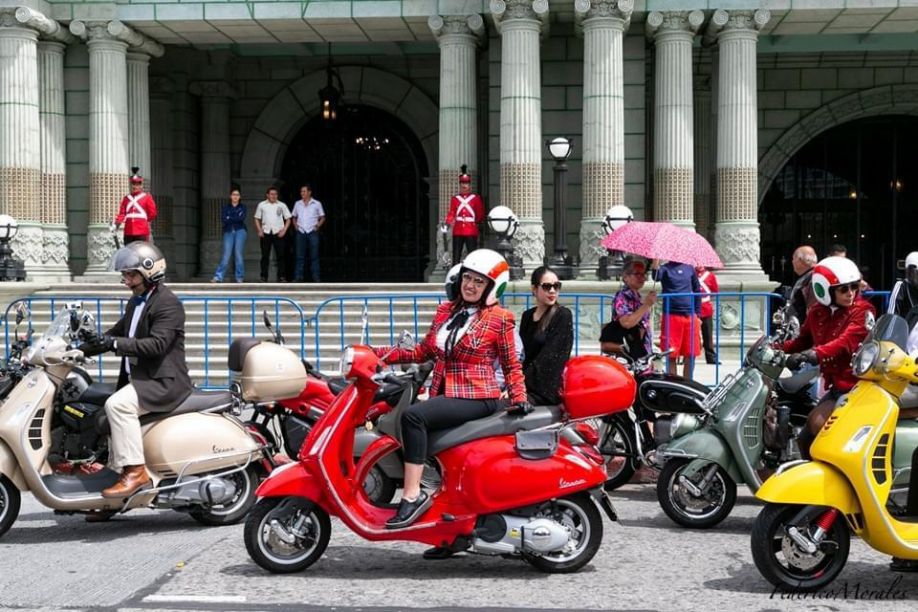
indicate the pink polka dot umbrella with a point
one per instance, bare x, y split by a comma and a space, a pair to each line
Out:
658, 240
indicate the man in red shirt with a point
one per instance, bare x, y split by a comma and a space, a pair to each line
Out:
137, 211
708, 283
466, 211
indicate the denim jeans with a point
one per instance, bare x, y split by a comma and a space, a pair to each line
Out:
233, 243
307, 241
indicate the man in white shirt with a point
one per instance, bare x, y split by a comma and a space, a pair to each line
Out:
309, 217
272, 218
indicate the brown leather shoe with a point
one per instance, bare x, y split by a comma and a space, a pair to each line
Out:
133, 478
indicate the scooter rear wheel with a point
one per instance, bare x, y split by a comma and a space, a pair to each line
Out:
618, 451
246, 483
784, 564
579, 514
695, 512
10, 499
286, 534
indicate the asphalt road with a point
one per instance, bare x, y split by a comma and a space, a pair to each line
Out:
164, 561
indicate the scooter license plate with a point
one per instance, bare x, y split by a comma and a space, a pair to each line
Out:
606, 502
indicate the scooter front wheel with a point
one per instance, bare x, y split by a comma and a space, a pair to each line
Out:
10, 499
580, 516
690, 508
786, 564
286, 534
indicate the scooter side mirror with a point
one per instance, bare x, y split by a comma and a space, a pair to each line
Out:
21, 310
406, 340
267, 321
75, 321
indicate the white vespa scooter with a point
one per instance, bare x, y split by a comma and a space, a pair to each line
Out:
200, 457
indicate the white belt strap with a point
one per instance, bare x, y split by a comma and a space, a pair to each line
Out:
134, 210
704, 288
464, 205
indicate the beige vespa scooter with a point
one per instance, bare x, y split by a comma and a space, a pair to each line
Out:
200, 457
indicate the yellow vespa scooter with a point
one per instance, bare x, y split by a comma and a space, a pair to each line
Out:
863, 477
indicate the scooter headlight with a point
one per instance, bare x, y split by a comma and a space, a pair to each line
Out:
865, 358
347, 360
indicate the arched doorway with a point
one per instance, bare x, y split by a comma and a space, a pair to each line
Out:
367, 169
849, 185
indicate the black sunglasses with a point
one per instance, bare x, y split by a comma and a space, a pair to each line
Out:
852, 287
546, 287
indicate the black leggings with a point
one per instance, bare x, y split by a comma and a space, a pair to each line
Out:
440, 413
469, 242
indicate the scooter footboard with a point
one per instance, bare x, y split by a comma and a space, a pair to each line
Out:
290, 479
812, 484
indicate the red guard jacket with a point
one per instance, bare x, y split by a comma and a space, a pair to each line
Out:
835, 336
136, 213
468, 372
465, 213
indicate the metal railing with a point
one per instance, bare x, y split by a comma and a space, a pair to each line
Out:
222, 318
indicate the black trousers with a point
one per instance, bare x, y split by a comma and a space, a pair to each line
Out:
469, 242
440, 413
707, 340
267, 242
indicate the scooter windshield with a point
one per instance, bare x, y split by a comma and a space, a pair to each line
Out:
59, 326
890, 328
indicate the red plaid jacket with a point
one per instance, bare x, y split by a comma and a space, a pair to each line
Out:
468, 373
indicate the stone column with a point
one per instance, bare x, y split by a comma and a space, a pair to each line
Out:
737, 232
703, 157
458, 37
20, 132
520, 23
161, 162
109, 131
604, 23
53, 190
216, 178
138, 84
673, 33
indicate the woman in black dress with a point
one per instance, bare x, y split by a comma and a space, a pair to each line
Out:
547, 331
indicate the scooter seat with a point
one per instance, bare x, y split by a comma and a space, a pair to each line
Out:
500, 424
797, 382
388, 392
337, 384
198, 401
909, 399
97, 393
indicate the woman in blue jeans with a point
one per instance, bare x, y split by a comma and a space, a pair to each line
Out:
233, 216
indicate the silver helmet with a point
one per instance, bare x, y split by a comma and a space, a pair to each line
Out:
141, 257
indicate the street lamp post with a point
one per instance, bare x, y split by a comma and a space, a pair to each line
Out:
504, 223
11, 269
560, 149
616, 217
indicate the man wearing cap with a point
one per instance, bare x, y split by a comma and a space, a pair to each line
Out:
466, 211
137, 211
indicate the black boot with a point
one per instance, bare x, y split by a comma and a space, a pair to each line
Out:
903, 565
409, 511
437, 553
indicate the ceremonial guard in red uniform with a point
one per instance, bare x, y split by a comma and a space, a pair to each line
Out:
466, 211
137, 211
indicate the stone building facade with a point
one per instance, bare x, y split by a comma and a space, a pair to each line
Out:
685, 111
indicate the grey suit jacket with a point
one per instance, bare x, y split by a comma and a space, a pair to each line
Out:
156, 352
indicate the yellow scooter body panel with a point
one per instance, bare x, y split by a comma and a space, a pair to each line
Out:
857, 440
811, 484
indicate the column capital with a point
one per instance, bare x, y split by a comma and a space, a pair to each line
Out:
116, 31
660, 23
520, 10
615, 10
749, 22
448, 27
212, 89
30, 18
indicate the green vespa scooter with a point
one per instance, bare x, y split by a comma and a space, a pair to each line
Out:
731, 443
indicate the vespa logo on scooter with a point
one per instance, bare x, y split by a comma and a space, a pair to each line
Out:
564, 484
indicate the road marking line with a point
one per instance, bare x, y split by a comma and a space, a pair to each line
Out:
195, 598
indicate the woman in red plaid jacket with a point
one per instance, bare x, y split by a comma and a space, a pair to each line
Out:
466, 336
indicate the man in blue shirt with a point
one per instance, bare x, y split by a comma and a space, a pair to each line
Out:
681, 322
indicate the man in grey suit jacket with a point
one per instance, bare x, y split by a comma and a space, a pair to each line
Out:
150, 338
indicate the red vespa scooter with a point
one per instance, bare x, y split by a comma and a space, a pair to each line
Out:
511, 485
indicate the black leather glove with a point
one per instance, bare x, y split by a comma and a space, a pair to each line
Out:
520, 409
795, 360
95, 344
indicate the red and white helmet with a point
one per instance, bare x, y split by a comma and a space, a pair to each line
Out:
491, 265
832, 272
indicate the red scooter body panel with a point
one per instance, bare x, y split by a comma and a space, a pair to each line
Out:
290, 479
489, 475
